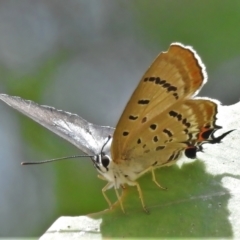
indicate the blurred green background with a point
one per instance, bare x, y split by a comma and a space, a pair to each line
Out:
86, 57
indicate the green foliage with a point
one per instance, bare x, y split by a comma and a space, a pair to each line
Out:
208, 26
195, 206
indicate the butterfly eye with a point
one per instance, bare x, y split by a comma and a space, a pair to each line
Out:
105, 161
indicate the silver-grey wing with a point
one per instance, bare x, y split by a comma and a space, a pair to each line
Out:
86, 136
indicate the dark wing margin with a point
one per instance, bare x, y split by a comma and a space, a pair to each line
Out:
86, 136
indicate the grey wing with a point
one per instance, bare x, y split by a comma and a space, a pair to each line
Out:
84, 135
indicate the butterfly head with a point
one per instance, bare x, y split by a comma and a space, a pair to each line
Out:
108, 169
103, 161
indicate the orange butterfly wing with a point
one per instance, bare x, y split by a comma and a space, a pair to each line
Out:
168, 85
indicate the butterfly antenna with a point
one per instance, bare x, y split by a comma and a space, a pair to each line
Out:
109, 137
54, 160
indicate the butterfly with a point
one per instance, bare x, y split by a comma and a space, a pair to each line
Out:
162, 121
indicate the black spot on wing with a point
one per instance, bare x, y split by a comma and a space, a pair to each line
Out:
186, 123
158, 148
143, 101
125, 133
144, 119
191, 152
131, 117
168, 132
176, 115
163, 83
158, 81
153, 126
166, 85
173, 113
155, 139
190, 136
179, 117
207, 134
172, 89
176, 96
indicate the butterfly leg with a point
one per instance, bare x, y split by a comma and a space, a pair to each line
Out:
119, 200
101, 177
155, 180
105, 189
140, 195
105, 196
